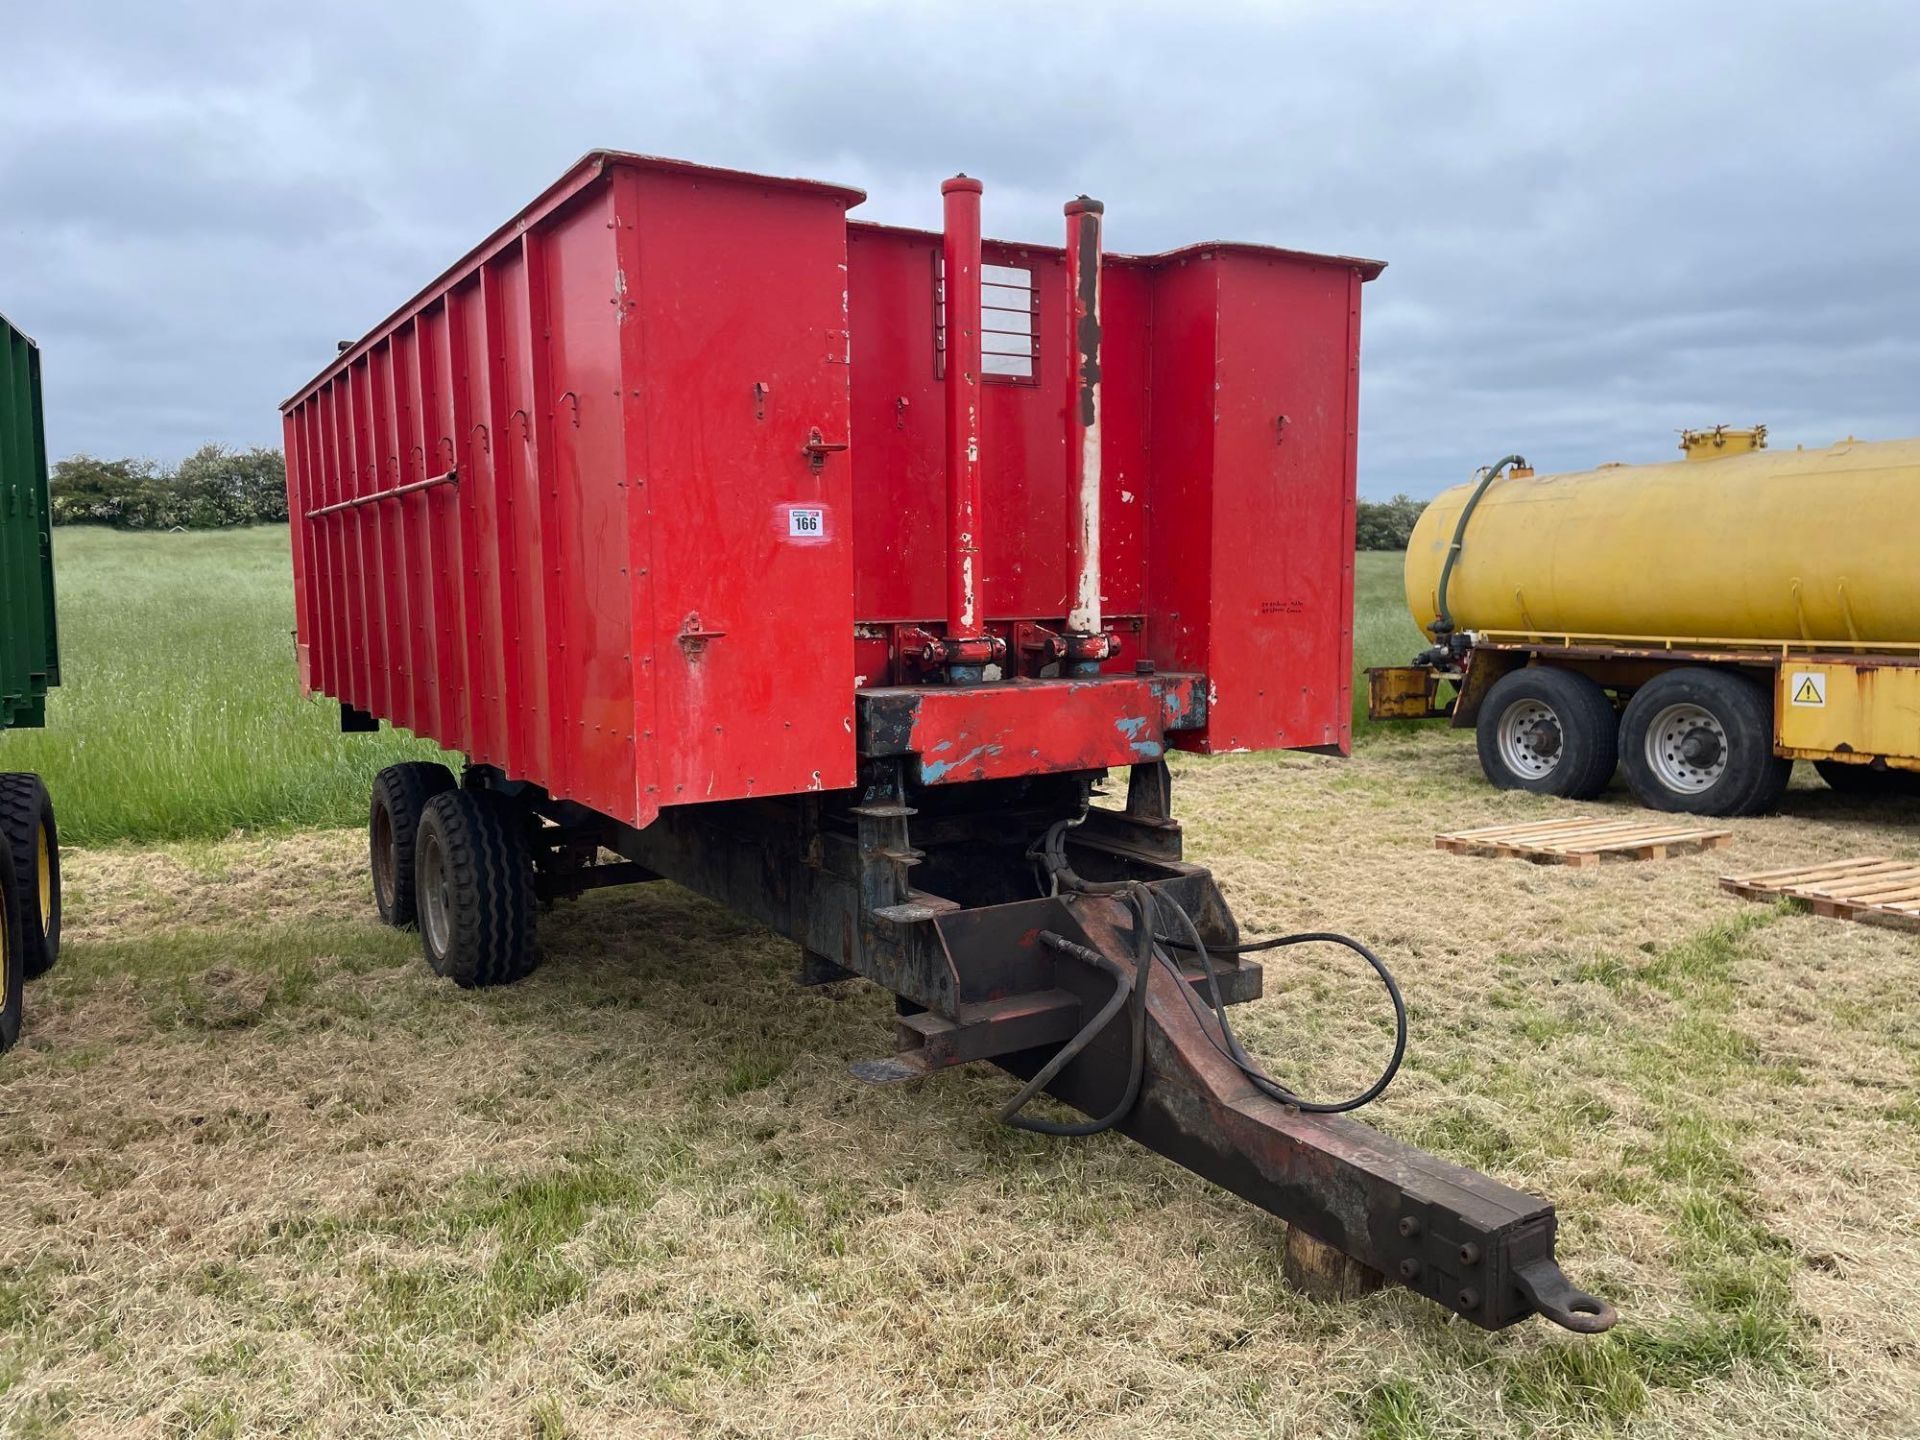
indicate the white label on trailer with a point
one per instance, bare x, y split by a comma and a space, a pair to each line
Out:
806, 523
1808, 688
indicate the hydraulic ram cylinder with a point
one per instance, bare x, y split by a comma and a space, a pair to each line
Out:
1083, 428
961, 255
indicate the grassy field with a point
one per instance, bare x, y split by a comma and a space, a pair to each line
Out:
1383, 632
261, 1173
180, 716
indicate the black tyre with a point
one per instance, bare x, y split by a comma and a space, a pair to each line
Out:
400, 794
13, 969
1864, 782
1700, 742
1548, 731
474, 869
26, 819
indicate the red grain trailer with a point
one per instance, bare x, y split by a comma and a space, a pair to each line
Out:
827, 568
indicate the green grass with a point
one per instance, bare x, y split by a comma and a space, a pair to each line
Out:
179, 715
1383, 631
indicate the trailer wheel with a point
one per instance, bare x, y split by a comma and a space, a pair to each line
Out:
1548, 731
12, 949
1864, 782
1700, 742
474, 870
400, 794
26, 818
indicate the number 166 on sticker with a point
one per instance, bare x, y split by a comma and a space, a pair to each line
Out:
806, 522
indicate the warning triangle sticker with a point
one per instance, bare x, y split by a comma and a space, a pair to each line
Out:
1808, 693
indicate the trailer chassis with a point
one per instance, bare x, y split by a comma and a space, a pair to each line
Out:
932, 893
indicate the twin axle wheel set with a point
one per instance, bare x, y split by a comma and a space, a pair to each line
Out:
1697, 740
456, 863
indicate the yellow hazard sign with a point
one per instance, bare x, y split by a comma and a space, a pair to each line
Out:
1808, 687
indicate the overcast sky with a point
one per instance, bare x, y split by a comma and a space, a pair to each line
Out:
1603, 221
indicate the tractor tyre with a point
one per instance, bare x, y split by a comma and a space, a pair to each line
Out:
473, 866
400, 794
1700, 742
26, 818
1864, 782
12, 949
1547, 731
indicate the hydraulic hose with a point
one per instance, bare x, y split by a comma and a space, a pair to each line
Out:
1131, 989
1127, 989
1442, 627
1237, 1053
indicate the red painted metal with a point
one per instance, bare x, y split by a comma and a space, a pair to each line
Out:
656, 578
959, 733
961, 293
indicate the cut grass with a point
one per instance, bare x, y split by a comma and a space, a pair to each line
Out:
179, 712
266, 1177
260, 1173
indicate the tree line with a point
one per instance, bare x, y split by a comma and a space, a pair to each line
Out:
216, 487
1386, 524
211, 489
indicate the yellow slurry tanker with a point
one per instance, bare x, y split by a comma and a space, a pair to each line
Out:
1699, 624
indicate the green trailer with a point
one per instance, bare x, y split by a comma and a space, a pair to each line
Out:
29, 667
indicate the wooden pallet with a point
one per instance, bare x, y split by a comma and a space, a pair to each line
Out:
1873, 888
1582, 840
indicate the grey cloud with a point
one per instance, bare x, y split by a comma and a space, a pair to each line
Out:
1603, 221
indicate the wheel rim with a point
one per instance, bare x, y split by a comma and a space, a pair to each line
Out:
43, 862
1530, 739
435, 890
383, 886
1686, 748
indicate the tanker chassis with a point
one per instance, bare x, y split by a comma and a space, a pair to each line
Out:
1698, 625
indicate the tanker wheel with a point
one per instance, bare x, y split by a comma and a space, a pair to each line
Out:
400, 794
1548, 731
474, 869
1700, 742
26, 818
13, 958
1865, 782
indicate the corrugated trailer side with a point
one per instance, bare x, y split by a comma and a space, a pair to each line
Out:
494, 494
29, 641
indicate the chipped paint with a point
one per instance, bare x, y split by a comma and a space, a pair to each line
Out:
933, 772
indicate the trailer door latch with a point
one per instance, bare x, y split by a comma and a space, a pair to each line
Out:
694, 637
818, 447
